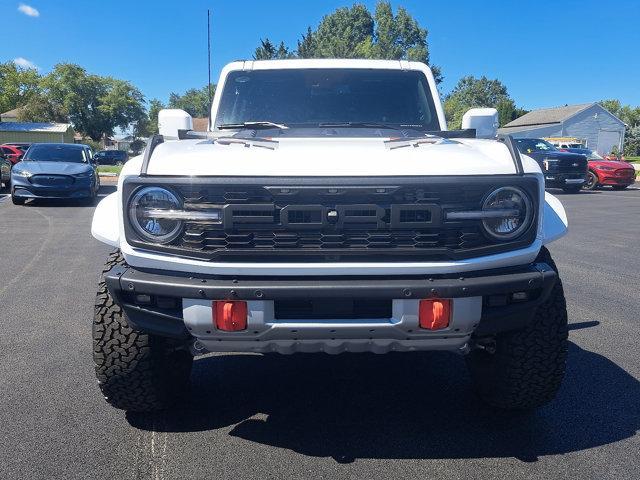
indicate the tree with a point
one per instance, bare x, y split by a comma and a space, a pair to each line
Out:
267, 51
631, 117
632, 141
194, 101
95, 105
148, 125
136, 146
472, 92
400, 37
307, 45
155, 106
17, 85
354, 32
344, 33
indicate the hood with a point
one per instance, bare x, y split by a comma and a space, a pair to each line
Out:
54, 168
611, 163
332, 157
557, 155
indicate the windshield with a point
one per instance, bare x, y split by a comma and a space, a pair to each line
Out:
528, 145
55, 153
311, 97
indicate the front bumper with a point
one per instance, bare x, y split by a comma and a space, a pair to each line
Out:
613, 180
81, 188
561, 180
179, 306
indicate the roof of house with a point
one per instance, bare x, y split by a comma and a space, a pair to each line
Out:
34, 127
546, 116
200, 124
11, 113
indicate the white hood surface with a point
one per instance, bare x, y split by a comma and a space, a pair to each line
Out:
308, 157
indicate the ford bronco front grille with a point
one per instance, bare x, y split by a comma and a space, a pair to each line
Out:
320, 220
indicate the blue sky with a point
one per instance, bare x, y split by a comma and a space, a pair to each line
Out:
548, 53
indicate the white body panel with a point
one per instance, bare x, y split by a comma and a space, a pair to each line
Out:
313, 157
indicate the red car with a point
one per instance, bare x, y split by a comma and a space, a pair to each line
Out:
615, 173
12, 153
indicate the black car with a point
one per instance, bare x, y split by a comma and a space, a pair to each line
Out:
564, 170
5, 171
55, 170
111, 157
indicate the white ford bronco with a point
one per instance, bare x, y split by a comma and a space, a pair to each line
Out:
328, 209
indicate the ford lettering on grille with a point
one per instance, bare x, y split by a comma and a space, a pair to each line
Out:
340, 216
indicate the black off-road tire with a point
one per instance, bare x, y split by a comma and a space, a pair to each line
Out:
136, 371
528, 365
17, 200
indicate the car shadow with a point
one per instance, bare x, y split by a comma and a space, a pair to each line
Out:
397, 406
71, 202
562, 193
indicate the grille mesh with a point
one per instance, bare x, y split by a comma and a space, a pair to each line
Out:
272, 235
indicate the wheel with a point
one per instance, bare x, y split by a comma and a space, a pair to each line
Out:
592, 181
620, 187
119, 163
572, 189
527, 366
17, 200
136, 371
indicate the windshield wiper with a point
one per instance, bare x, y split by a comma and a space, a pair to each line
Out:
253, 125
358, 125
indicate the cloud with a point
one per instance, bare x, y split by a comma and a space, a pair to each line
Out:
28, 10
24, 63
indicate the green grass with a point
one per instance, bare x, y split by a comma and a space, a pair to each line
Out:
109, 169
633, 159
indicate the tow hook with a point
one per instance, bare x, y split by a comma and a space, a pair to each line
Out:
488, 344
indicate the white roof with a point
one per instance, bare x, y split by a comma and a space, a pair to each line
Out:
34, 127
325, 63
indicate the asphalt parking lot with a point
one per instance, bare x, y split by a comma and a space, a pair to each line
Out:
314, 416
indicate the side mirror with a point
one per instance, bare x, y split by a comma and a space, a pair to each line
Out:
170, 120
484, 120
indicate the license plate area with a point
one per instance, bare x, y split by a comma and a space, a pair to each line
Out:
333, 309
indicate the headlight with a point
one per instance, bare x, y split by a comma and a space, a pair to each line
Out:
607, 169
88, 173
507, 213
21, 173
147, 214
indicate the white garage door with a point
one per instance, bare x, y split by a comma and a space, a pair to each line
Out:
607, 139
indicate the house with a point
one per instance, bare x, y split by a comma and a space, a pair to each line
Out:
124, 143
200, 124
600, 129
14, 131
10, 116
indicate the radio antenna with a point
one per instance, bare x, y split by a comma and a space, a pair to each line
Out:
209, 63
